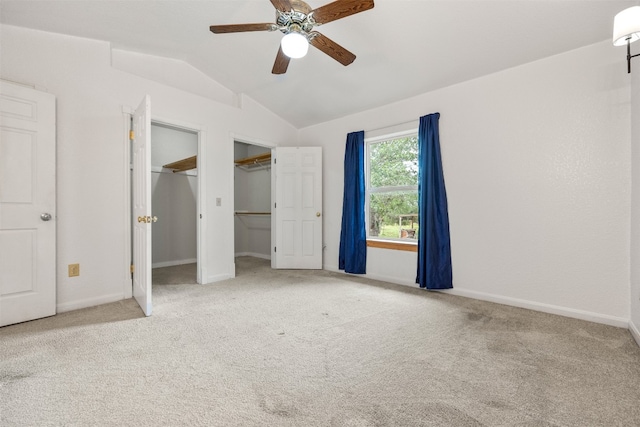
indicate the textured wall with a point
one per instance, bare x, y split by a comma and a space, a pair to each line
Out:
536, 163
635, 203
174, 236
169, 144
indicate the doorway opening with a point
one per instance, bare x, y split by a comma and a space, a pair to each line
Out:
252, 203
174, 201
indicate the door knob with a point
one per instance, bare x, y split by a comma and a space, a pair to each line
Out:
147, 219
45, 216
317, 214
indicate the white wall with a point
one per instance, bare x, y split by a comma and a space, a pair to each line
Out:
170, 144
634, 324
174, 236
91, 153
537, 168
253, 194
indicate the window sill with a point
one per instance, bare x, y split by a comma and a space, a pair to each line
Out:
389, 244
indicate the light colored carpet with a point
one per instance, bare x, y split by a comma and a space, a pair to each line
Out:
312, 348
184, 274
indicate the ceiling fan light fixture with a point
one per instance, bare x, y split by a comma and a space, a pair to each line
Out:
294, 45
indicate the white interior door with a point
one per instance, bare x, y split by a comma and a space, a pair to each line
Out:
27, 204
298, 208
141, 199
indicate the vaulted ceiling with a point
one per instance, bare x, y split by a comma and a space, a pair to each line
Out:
403, 48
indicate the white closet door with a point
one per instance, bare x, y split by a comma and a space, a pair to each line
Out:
298, 208
142, 205
27, 204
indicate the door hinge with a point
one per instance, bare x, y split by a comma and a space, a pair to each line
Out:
132, 268
275, 205
275, 161
132, 135
275, 249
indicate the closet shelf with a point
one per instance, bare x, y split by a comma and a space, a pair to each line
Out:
252, 213
254, 160
183, 165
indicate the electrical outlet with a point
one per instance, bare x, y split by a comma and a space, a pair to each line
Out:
74, 270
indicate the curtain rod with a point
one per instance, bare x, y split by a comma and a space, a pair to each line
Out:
411, 122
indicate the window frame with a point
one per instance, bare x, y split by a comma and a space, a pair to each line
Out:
377, 241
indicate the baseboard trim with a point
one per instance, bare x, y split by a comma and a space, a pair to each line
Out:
381, 278
219, 278
635, 333
88, 302
515, 302
172, 263
545, 308
253, 254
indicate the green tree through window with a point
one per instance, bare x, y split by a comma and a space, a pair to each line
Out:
393, 187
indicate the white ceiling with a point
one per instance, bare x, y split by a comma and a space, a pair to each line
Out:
403, 48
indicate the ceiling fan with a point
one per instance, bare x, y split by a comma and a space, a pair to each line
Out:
296, 20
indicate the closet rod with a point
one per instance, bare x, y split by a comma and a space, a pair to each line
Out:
255, 163
250, 160
253, 213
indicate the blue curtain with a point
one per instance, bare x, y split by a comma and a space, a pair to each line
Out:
434, 246
353, 236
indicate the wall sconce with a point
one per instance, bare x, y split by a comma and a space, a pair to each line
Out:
626, 29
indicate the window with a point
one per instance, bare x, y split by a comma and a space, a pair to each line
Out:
392, 187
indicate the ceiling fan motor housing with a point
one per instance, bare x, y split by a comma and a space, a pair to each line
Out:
299, 19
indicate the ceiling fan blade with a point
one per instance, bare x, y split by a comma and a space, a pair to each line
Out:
239, 28
340, 9
281, 64
282, 5
332, 48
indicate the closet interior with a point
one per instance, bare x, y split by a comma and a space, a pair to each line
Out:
174, 190
252, 200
